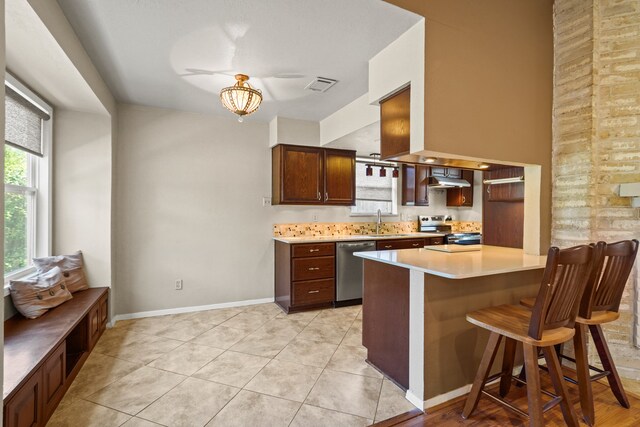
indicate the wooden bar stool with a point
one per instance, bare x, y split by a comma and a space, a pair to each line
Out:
550, 322
600, 304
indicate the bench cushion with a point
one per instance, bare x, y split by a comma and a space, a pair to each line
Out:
33, 296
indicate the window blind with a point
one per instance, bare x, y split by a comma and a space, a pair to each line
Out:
23, 123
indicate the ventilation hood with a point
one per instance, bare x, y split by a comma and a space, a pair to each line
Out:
442, 182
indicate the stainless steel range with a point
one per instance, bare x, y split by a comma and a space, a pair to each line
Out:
434, 223
438, 224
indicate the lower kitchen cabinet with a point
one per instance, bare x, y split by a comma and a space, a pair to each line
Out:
305, 275
384, 245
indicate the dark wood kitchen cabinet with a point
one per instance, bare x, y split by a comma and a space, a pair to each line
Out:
394, 124
446, 172
339, 177
462, 196
384, 245
304, 275
415, 191
312, 176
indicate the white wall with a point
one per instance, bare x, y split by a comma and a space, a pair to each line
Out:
188, 206
293, 131
82, 190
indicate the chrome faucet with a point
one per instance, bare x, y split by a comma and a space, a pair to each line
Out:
379, 221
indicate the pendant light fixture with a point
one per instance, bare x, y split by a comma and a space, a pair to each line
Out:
382, 166
241, 98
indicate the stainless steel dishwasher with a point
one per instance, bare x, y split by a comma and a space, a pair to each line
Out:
349, 274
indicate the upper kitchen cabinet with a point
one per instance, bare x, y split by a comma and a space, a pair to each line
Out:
461, 196
394, 124
339, 177
446, 172
415, 179
312, 176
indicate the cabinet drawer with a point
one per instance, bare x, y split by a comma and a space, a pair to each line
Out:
313, 268
313, 249
436, 241
313, 292
383, 245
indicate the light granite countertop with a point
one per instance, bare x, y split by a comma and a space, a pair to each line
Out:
487, 261
355, 237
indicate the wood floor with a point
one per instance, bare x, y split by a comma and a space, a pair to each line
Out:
608, 412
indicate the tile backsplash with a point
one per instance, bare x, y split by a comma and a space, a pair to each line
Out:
350, 228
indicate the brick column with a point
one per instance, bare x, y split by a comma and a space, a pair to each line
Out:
596, 139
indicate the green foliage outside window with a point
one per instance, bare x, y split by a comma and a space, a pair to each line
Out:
15, 211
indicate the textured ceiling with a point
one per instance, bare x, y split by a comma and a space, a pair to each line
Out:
179, 54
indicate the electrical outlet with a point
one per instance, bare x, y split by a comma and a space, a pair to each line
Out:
315, 217
266, 201
179, 285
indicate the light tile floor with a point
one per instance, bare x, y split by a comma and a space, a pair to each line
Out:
247, 366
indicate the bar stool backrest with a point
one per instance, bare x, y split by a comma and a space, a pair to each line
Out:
604, 290
563, 283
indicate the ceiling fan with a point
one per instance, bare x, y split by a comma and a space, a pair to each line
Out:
230, 73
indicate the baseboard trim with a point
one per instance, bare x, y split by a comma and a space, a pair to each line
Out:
191, 309
447, 397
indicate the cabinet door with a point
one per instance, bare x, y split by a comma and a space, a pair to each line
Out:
93, 319
339, 177
25, 407
461, 196
408, 185
53, 377
301, 175
422, 189
454, 173
438, 171
395, 124
104, 311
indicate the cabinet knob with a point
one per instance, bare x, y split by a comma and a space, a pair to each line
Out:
314, 268
326, 196
314, 292
416, 244
464, 199
388, 246
314, 250
319, 197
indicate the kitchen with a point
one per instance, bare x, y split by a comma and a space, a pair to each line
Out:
224, 245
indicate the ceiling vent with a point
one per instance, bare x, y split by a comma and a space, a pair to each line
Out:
321, 84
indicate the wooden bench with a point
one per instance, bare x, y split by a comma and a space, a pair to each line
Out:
42, 356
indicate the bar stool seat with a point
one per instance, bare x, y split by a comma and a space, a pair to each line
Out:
513, 321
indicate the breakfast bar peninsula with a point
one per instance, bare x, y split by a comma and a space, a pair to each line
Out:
414, 307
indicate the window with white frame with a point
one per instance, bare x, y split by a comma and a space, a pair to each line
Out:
375, 192
27, 160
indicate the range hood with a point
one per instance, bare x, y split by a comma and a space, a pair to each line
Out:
442, 182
